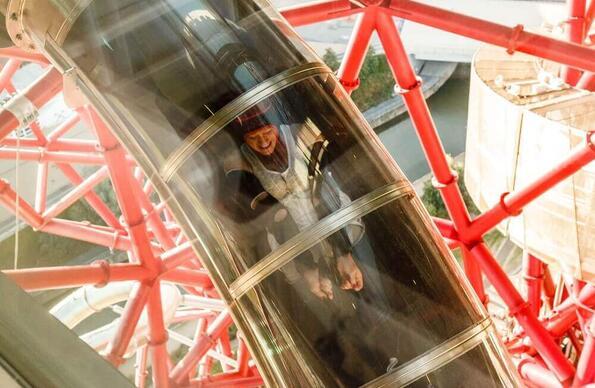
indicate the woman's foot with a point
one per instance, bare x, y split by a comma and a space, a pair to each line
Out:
318, 285
349, 273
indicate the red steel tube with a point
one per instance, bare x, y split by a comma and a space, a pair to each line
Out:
66, 126
564, 317
41, 187
91, 197
39, 93
132, 311
8, 198
188, 277
566, 53
177, 256
585, 369
517, 200
122, 181
154, 221
356, 49
225, 345
231, 380
304, 14
84, 232
536, 374
140, 373
587, 81
549, 289
243, 358
8, 70
22, 55
73, 145
77, 193
158, 339
51, 278
446, 228
23, 143
589, 16
200, 347
541, 339
473, 273
533, 273
565, 314
575, 33
52, 156
421, 118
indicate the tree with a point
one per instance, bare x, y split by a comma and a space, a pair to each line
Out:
433, 201
331, 58
376, 80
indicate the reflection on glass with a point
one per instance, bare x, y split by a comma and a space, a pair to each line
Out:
173, 63
473, 369
282, 166
337, 274
407, 303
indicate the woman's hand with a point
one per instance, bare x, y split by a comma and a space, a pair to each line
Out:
349, 272
319, 285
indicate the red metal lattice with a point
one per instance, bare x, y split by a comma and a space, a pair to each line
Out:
159, 252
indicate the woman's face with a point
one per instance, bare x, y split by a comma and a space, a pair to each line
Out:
263, 140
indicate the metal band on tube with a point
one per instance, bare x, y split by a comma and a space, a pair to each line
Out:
316, 233
224, 116
434, 358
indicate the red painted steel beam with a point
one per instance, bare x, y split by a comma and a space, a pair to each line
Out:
8, 71
533, 273
243, 357
140, 366
589, 16
575, 33
565, 316
229, 380
356, 49
587, 81
474, 274
9, 199
315, 12
585, 369
92, 198
51, 278
188, 277
512, 39
64, 145
536, 374
23, 143
39, 93
66, 126
51, 156
83, 231
128, 321
21, 55
446, 228
122, 181
177, 256
542, 340
153, 218
158, 339
200, 347
41, 187
77, 193
512, 203
422, 120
